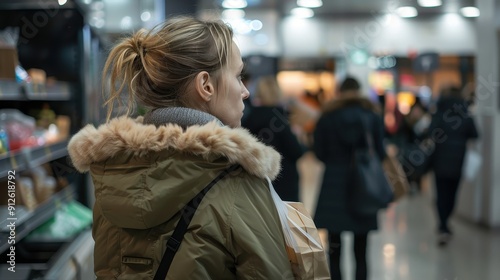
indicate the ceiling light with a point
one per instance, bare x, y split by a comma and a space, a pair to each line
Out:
240, 26
145, 16
310, 3
256, 24
470, 11
430, 3
234, 4
62, 2
302, 12
233, 13
407, 12
126, 22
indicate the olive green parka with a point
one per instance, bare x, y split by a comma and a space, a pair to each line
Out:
143, 175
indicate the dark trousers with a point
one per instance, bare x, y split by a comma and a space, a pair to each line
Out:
446, 193
360, 245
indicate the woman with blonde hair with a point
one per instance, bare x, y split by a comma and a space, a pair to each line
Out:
146, 169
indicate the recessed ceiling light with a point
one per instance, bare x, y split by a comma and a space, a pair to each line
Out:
430, 3
470, 12
407, 12
145, 16
126, 23
310, 3
234, 4
256, 24
233, 13
302, 12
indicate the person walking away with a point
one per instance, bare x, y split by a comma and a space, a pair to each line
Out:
456, 127
339, 128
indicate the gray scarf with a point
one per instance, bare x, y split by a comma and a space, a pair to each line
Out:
181, 116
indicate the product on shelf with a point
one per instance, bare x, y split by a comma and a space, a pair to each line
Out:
45, 185
38, 80
46, 117
8, 52
63, 125
19, 128
4, 140
27, 192
68, 221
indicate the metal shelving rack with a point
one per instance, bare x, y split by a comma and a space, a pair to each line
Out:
29, 220
26, 158
67, 49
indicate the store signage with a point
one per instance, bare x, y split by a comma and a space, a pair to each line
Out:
426, 62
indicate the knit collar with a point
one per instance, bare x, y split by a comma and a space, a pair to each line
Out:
182, 116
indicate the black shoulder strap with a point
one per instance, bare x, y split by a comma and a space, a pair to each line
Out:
187, 214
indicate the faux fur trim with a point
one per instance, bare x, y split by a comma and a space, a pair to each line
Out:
344, 102
131, 136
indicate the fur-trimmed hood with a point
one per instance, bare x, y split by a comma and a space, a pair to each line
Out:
344, 102
130, 136
144, 174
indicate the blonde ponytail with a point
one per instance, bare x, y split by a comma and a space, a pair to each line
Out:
156, 66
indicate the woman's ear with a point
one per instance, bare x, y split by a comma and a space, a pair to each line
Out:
204, 85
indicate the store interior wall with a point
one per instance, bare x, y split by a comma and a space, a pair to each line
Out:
377, 34
446, 34
479, 200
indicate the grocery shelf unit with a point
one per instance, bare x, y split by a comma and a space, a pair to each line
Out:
58, 40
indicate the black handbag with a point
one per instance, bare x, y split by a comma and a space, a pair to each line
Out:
369, 188
417, 159
187, 214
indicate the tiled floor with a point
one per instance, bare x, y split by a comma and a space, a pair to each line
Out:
405, 246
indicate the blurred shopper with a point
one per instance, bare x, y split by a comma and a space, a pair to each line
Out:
413, 131
268, 120
304, 113
344, 124
451, 128
146, 169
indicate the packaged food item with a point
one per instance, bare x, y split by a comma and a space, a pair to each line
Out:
68, 221
27, 192
4, 141
19, 128
46, 116
46, 189
8, 52
44, 185
63, 124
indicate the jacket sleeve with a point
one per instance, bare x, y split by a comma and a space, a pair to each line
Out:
293, 148
471, 129
378, 136
256, 238
320, 143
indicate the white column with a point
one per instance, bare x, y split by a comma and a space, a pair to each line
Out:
480, 200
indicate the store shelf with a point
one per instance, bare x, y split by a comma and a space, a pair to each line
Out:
72, 260
12, 91
27, 221
30, 157
75, 260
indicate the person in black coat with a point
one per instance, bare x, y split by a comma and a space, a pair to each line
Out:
451, 128
344, 124
268, 120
